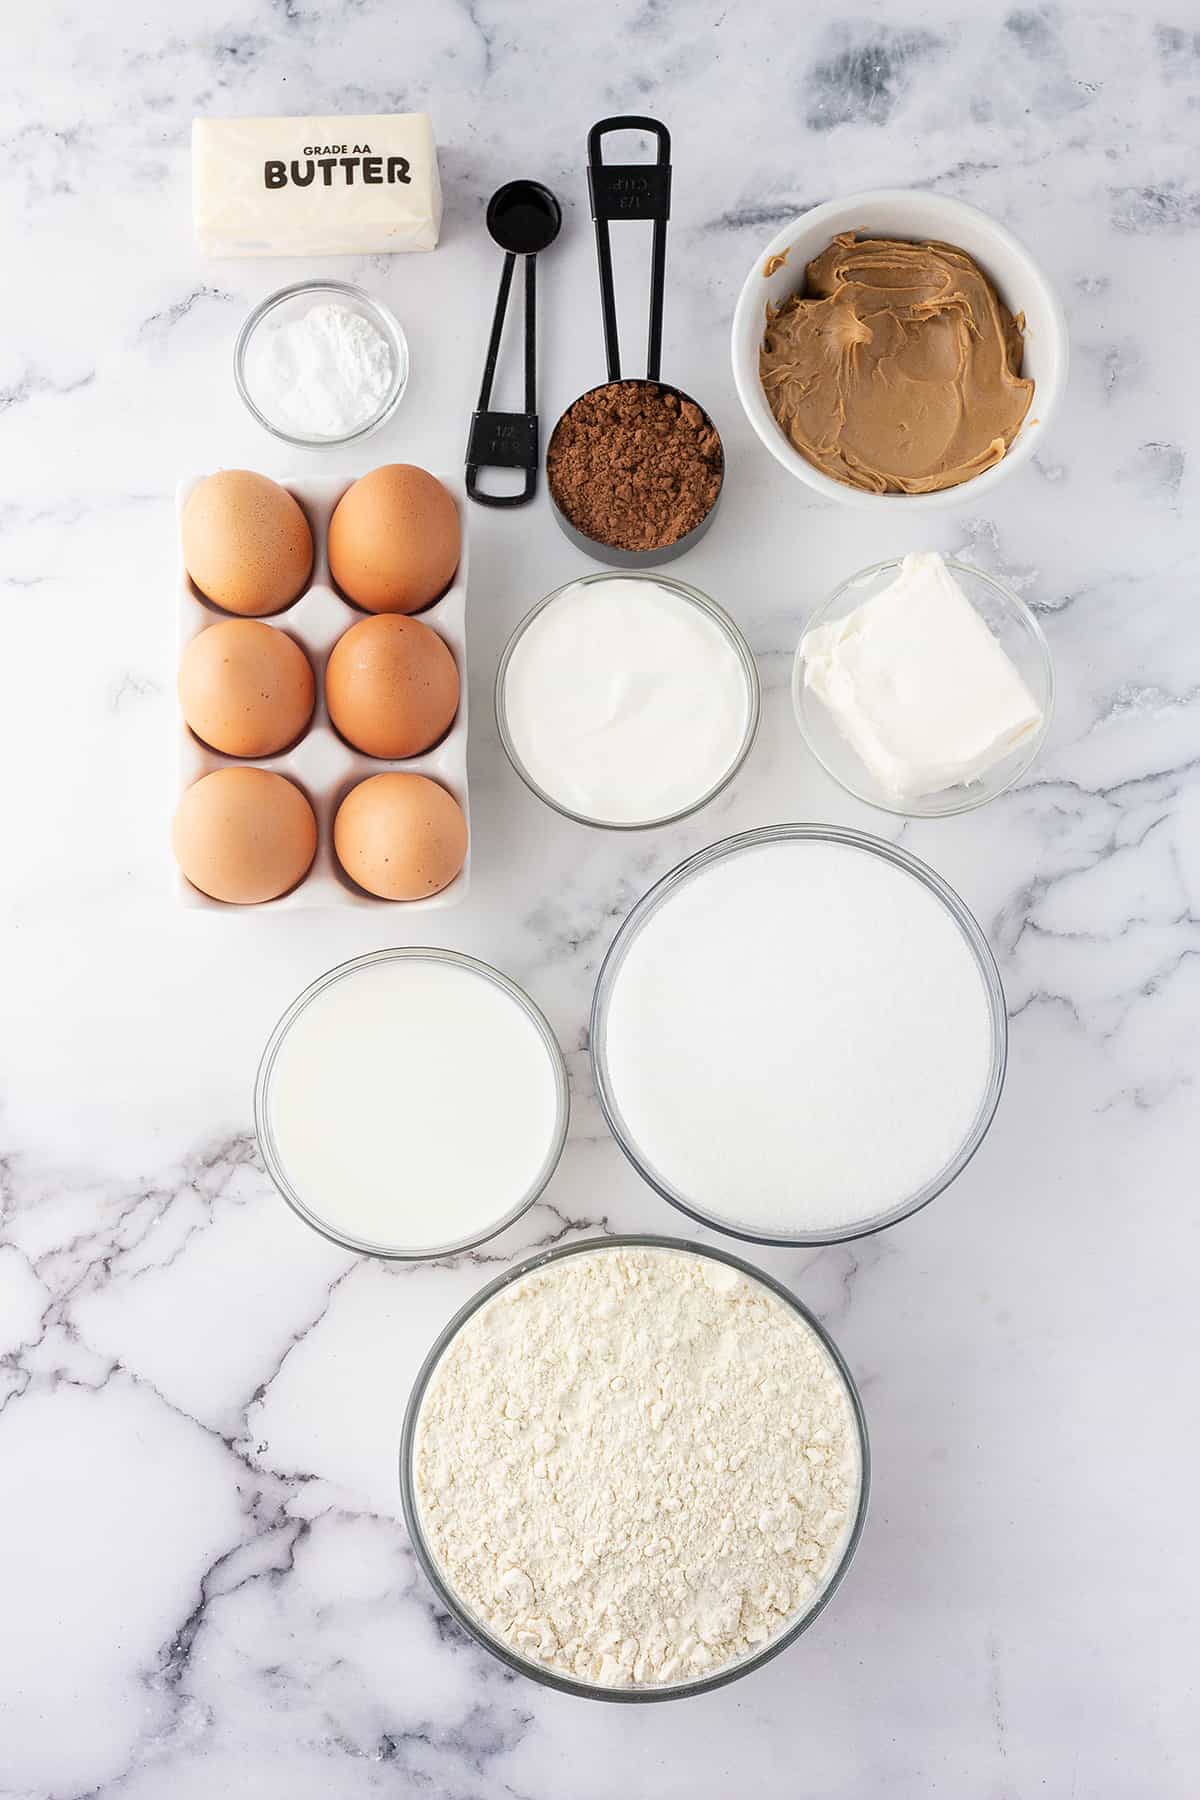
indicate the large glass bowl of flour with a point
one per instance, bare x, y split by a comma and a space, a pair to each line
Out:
634, 1468
799, 1035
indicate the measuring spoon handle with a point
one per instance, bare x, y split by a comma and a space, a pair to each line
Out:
502, 440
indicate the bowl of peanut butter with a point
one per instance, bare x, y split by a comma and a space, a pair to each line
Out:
898, 348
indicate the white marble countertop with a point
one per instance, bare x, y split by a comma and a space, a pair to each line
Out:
205, 1586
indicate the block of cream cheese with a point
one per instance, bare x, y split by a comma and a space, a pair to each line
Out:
918, 684
315, 187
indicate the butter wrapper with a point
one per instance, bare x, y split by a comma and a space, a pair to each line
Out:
315, 187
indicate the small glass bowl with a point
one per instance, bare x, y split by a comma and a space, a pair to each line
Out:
273, 1160
728, 848
292, 303
1016, 631
719, 617
678, 1690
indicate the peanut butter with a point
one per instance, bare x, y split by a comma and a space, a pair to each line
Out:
897, 369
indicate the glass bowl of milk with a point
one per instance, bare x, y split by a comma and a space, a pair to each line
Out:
411, 1103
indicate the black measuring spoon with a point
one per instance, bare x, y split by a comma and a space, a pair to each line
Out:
523, 217
632, 191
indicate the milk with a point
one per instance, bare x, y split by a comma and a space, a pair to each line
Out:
413, 1104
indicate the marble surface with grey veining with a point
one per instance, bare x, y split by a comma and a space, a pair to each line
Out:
205, 1587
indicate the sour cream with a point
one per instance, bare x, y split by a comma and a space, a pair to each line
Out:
627, 700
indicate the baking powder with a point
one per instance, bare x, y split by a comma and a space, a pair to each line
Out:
321, 376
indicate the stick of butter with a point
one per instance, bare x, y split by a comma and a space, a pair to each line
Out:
315, 187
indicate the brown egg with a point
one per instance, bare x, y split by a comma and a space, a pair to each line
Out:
392, 686
246, 543
402, 837
245, 688
394, 540
244, 835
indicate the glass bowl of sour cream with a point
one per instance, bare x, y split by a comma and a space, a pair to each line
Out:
321, 364
627, 700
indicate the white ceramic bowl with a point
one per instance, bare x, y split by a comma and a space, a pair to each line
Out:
916, 215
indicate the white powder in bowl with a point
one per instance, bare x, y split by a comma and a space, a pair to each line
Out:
323, 375
798, 1039
636, 1465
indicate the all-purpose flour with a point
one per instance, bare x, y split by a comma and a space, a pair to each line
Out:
636, 1465
799, 1038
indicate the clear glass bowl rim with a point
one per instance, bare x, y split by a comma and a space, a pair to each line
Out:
475, 1628
262, 1099
719, 617
973, 797
683, 872
384, 317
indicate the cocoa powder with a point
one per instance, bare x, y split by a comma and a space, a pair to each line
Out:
635, 465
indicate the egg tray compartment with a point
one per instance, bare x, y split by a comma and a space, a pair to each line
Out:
321, 763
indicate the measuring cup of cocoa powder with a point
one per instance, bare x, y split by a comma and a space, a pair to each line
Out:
635, 466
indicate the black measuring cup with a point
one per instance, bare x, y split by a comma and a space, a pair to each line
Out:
632, 191
523, 217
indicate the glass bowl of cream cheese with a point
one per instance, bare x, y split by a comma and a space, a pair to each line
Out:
924, 686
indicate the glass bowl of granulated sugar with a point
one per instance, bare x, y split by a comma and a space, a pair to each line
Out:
799, 1035
321, 364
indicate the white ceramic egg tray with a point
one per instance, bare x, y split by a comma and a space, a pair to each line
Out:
322, 764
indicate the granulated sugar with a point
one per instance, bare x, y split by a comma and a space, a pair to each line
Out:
799, 1038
